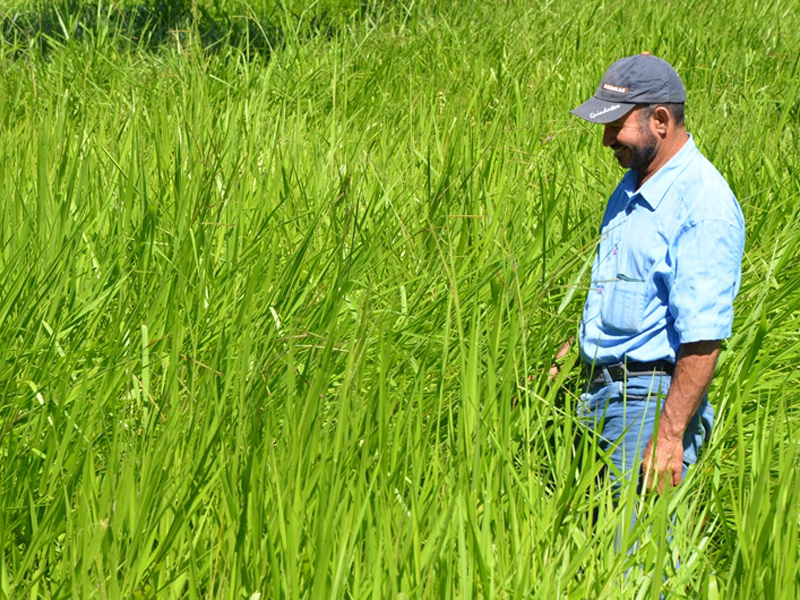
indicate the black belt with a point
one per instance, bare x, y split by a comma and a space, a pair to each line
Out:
621, 371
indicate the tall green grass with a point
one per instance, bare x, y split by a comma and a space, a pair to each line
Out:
279, 326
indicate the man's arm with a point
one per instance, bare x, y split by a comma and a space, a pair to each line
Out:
694, 370
562, 352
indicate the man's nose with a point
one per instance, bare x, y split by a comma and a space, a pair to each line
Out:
609, 136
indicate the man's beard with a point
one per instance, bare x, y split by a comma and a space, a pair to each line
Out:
642, 154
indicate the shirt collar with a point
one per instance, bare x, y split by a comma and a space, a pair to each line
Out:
655, 188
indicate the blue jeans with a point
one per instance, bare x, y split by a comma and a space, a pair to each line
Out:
624, 414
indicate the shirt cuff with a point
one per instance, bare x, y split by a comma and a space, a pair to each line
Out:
706, 334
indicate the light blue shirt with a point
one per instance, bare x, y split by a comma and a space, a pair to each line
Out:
668, 264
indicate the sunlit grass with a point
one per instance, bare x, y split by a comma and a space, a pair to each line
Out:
282, 326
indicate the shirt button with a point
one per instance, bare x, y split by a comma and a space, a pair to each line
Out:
614, 251
599, 290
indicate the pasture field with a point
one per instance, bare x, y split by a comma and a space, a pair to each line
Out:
280, 285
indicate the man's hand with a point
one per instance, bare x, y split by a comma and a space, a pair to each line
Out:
662, 464
662, 461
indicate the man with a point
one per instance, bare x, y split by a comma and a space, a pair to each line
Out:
663, 282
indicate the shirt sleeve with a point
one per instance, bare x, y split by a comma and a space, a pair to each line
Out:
706, 276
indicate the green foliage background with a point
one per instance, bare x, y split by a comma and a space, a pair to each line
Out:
280, 285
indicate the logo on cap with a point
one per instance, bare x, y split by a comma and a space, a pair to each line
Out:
607, 109
615, 88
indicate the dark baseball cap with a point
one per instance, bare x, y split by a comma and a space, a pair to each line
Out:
639, 79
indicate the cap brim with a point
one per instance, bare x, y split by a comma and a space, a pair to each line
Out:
602, 111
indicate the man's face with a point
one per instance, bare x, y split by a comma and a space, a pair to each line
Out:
633, 142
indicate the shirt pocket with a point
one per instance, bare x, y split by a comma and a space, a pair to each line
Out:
623, 305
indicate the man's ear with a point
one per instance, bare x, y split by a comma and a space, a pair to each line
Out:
662, 120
